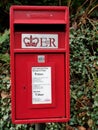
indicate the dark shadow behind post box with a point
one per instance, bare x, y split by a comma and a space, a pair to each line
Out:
39, 44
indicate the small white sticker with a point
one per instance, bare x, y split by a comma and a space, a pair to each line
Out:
39, 40
41, 85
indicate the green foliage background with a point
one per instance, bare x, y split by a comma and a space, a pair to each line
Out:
83, 65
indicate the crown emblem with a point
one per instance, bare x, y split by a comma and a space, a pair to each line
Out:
30, 41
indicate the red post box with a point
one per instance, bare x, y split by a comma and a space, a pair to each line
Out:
39, 44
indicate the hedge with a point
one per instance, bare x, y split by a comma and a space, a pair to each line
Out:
83, 81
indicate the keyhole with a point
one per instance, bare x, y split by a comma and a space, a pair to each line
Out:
24, 87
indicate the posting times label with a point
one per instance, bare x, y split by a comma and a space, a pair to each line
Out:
41, 85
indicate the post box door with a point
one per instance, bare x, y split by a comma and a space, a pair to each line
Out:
40, 91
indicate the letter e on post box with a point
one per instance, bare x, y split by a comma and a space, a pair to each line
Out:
39, 46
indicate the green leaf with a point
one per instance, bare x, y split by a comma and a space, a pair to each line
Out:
4, 37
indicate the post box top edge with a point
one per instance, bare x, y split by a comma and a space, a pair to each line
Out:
19, 7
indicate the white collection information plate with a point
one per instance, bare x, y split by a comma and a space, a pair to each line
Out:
41, 85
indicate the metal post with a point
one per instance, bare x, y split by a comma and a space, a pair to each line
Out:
40, 126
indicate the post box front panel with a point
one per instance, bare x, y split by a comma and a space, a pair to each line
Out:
37, 97
39, 64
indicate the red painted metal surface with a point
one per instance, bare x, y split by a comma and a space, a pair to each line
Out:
38, 20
